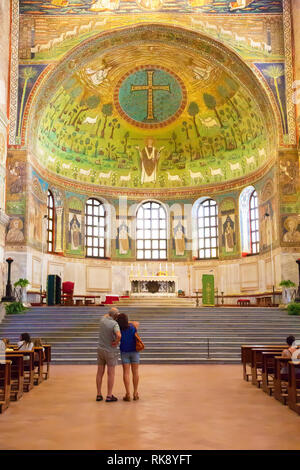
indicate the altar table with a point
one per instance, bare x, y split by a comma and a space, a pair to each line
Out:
166, 286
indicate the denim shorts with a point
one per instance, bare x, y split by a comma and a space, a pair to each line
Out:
132, 357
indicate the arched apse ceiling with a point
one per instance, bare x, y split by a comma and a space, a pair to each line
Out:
152, 107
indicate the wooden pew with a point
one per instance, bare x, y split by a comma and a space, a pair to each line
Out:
38, 365
28, 368
246, 356
256, 362
294, 386
47, 360
5, 372
281, 379
268, 371
17, 376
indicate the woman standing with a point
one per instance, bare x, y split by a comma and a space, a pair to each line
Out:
129, 355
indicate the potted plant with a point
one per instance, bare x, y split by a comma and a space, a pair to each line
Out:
288, 288
22, 283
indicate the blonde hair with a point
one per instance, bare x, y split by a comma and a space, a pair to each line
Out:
37, 343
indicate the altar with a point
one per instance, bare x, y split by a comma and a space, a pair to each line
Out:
160, 286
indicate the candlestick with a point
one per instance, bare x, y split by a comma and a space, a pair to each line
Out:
9, 297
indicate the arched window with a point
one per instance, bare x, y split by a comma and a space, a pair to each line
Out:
151, 231
254, 223
207, 222
249, 221
50, 222
95, 220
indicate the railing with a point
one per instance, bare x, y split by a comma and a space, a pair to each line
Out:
265, 299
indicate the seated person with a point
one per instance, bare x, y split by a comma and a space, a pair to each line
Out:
8, 348
25, 344
290, 350
37, 343
288, 353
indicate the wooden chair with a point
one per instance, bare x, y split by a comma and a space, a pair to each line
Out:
5, 373
67, 293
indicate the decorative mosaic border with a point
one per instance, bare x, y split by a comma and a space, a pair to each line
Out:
14, 72
289, 72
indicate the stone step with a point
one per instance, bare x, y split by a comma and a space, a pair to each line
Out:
171, 336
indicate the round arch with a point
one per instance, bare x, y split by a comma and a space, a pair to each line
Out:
207, 48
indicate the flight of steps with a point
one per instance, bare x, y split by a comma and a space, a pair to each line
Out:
178, 336
153, 301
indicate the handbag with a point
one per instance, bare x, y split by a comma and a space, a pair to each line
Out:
139, 345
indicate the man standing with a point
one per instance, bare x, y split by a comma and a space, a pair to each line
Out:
109, 338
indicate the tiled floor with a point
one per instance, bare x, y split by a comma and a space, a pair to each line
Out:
181, 407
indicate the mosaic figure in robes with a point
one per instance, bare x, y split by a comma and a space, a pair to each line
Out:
229, 235
268, 225
179, 240
288, 177
123, 240
75, 233
149, 156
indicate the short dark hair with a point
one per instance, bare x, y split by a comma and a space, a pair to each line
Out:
25, 337
290, 340
123, 321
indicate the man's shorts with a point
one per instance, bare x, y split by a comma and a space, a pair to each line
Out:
130, 357
107, 357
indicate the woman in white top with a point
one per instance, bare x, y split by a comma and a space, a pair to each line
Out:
25, 343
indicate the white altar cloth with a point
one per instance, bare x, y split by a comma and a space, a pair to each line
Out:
147, 278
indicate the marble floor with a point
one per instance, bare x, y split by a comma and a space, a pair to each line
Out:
196, 407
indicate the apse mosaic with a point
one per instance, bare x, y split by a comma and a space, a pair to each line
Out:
79, 7
160, 116
243, 25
